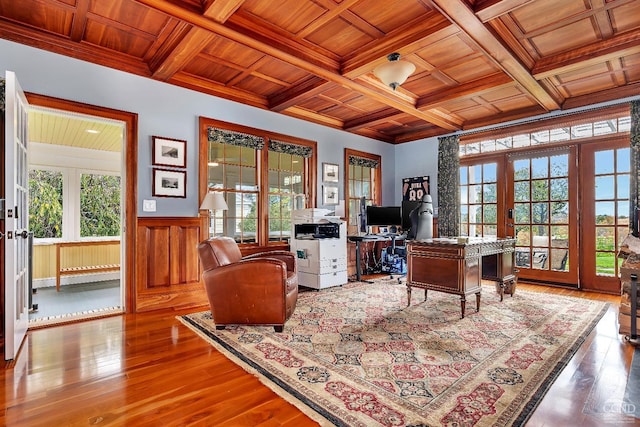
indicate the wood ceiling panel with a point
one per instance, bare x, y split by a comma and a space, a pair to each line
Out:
227, 51
51, 17
539, 15
280, 71
587, 84
390, 14
631, 65
290, 15
116, 39
473, 69
260, 85
477, 62
130, 15
443, 52
625, 17
212, 70
565, 38
340, 37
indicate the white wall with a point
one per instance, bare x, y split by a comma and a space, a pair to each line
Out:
171, 111
414, 159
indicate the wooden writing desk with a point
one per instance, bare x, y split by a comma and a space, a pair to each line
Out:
456, 267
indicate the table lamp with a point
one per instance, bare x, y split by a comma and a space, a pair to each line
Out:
213, 202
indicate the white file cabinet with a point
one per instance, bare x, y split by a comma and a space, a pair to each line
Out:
322, 263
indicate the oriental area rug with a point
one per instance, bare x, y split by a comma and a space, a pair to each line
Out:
356, 355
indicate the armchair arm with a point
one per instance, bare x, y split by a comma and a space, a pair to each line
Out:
286, 256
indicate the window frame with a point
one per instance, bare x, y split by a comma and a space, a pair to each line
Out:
262, 166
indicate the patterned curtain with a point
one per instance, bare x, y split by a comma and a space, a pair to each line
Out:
361, 161
289, 148
634, 191
448, 186
2, 97
235, 138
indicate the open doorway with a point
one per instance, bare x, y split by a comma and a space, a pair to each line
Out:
76, 193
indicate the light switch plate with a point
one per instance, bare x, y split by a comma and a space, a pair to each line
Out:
149, 205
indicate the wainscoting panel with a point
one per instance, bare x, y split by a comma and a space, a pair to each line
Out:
167, 265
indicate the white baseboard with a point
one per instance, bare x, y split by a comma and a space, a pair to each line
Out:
75, 279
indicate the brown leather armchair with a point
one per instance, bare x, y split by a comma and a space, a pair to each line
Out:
259, 289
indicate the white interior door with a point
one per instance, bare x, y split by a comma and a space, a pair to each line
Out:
16, 217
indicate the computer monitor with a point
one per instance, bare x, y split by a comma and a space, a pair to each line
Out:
407, 207
384, 216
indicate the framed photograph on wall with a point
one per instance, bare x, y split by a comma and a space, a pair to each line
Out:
329, 195
329, 172
169, 152
169, 183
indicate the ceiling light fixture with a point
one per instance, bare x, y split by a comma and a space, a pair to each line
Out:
394, 72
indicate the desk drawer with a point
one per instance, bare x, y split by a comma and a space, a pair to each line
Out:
320, 281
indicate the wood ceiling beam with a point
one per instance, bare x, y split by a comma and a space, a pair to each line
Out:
340, 10
603, 96
63, 46
221, 10
79, 21
625, 44
187, 46
298, 92
492, 9
267, 48
462, 16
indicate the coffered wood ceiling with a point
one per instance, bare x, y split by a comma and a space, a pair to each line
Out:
478, 62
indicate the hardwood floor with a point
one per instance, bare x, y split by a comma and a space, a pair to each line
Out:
149, 369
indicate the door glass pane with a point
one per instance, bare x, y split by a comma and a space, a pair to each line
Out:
542, 213
611, 206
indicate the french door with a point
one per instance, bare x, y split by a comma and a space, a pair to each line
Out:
542, 211
605, 175
16, 218
567, 207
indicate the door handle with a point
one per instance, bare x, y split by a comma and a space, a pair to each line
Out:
1, 234
24, 234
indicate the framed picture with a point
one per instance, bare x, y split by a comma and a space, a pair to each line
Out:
169, 152
329, 195
169, 183
329, 172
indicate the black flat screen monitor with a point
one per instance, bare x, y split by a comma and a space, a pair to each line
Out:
407, 207
384, 216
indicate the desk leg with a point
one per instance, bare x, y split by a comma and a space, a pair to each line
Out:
463, 304
478, 301
358, 264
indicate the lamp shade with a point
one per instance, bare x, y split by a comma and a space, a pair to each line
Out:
395, 72
214, 201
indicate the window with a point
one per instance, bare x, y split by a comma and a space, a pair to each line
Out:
362, 179
66, 203
479, 200
263, 176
